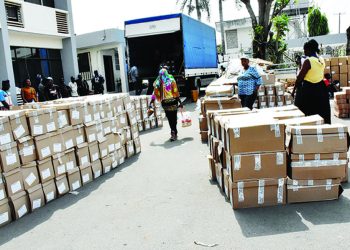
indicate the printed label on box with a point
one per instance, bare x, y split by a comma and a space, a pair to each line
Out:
4, 217
107, 130
75, 115
118, 145
15, 187
27, 151
22, 211
50, 196
88, 118
30, 179
11, 159
46, 173
70, 165
62, 121
61, 188
19, 131
86, 178
51, 126
97, 174
5, 139
92, 137
95, 157
69, 144
111, 147
80, 139
104, 152
2, 194
36, 204
57, 147
84, 160
75, 185
122, 120
107, 169
96, 116
61, 169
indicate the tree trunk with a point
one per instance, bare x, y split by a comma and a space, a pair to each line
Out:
222, 28
199, 11
348, 44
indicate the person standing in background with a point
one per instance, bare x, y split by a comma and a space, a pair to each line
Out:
5, 97
135, 80
52, 91
249, 82
28, 93
73, 87
98, 83
83, 86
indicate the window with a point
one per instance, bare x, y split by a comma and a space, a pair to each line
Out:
13, 12
47, 3
116, 57
84, 62
231, 39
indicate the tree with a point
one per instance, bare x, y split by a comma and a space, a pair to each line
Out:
262, 24
348, 43
317, 22
222, 27
278, 45
199, 6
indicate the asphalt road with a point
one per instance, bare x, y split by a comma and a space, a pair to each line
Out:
163, 199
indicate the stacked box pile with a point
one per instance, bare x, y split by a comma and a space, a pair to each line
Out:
50, 149
319, 162
339, 68
255, 164
273, 95
341, 103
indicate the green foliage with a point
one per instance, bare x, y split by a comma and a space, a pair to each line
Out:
219, 49
277, 45
199, 6
317, 22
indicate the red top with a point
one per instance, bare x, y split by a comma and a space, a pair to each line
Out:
327, 82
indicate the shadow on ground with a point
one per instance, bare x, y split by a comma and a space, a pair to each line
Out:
41, 215
169, 144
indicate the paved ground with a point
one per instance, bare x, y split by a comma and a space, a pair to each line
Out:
163, 200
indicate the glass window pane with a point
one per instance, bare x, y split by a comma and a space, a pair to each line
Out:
23, 52
49, 3
54, 54
33, 1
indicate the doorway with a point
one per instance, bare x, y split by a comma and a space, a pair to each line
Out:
109, 71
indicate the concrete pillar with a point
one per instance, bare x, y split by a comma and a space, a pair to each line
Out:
69, 52
123, 70
6, 69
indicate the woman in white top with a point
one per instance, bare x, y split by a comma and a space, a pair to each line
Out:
74, 87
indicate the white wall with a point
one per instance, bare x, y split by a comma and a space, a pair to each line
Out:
23, 39
244, 42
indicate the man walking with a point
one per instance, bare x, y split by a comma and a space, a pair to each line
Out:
134, 75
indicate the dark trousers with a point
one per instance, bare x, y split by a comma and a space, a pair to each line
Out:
138, 86
247, 101
172, 118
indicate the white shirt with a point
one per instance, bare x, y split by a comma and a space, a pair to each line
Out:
74, 87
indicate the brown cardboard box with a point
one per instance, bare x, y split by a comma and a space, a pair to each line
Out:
212, 171
115, 159
108, 108
336, 77
96, 110
122, 155
50, 192
3, 193
270, 90
280, 89
9, 158
103, 147
107, 127
59, 162
26, 149
135, 131
335, 61
138, 115
271, 101
343, 80
44, 145
13, 182
94, 131
327, 61
83, 156
127, 103
94, 152
147, 124
36, 197
118, 106
255, 133
219, 175
86, 174
137, 144
42, 121
327, 69
30, 175
117, 141
159, 121
5, 212
63, 118
269, 79
262, 91
140, 126
132, 117
259, 193
88, 113
62, 185
226, 187
287, 115
69, 138
317, 139
288, 99
257, 166
280, 100
307, 120
343, 60
20, 205
74, 179
127, 133
262, 101
6, 136
136, 100
75, 111
122, 119
96, 168
343, 69
46, 171
106, 165
153, 122
114, 124
144, 102
57, 140
312, 190
130, 150
78, 135
204, 136
221, 103
18, 124
71, 160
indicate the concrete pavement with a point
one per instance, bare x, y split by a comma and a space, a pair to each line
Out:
162, 199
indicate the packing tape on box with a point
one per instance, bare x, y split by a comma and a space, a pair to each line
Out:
319, 135
276, 128
240, 186
257, 164
295, 185
220, 104
310, 182
35, 116
279, 158
280, 191
317, 157
237, 162
299, 139
341, 133
261, 192
329, 184
18, 120
1, 126
237, 132
336, 156
318, 163
228, 164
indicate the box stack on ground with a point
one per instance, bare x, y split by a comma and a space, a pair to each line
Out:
275, 156
49, 149
273, 95
342, 103
339, 68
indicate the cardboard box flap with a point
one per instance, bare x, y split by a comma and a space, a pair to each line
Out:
44, 136
13, 114
29, 165
278, 109
310, 157
66, 129
257, 183
64, 106
83, 145
4, 119
25, 139
306, 120
50, 182
291, 182
4, 201
250, 120
33, 189
216, 100
8, 146
85, 166
317, 129
39, 111
60, 177
44, 161
59, 155
14, 171
72, 171
287, 114
80, 126
17, 196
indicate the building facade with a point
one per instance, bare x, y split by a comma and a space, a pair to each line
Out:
104, 51
36, 37
239, 32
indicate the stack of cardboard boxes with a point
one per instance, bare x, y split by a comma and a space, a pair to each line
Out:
339, 68
273, 95
341, 103
319, 162
249, 160
50, 149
